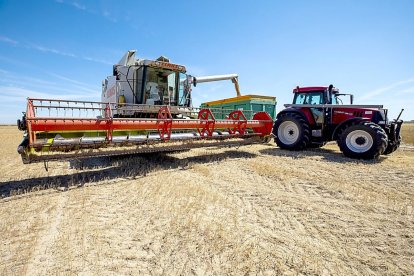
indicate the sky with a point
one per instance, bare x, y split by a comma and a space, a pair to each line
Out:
63, 49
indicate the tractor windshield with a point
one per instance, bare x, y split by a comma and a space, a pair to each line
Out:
309, 98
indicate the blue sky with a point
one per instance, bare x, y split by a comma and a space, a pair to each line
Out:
64, 48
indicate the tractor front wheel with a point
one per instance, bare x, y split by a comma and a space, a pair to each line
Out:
393, 145
291, 132
364, 140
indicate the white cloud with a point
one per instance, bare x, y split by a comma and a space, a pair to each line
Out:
50, 50
8, 40
75, 4
78, 6
14, 94
381, 90
105, 13
79, 83
97, 60
57, 85
408, 91
44, 49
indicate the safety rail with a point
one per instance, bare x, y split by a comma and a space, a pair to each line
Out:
90, 109
66, 126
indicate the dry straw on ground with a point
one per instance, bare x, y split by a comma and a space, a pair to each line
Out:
407, 133
256, 209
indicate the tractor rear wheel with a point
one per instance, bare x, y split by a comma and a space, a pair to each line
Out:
364, 140
291, 132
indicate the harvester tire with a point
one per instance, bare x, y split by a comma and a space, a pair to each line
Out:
364, 140
393, 146
291, 132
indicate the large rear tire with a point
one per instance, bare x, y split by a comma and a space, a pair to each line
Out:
364, 140
291, 132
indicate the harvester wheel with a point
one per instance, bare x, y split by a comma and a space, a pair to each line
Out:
364, 140
291, 132
393, 146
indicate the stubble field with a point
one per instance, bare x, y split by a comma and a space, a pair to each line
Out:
252, 210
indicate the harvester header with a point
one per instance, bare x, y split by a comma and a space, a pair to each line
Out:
145, 107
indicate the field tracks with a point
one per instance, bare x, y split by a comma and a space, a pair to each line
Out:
45, 243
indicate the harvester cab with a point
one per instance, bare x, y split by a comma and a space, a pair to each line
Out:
143, 81
152, 83
145, 107
318, 115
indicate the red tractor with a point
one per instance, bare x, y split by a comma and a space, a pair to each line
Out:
318, 115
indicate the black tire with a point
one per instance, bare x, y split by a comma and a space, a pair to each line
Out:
393, 146
364, 140
294, 132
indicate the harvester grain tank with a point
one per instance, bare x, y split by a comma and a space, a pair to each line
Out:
145, 107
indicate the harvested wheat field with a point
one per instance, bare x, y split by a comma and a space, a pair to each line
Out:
252, 210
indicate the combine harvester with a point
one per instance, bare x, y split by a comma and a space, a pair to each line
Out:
146, 107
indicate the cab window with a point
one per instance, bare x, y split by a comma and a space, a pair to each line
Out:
308, 98
181, 95
160, 86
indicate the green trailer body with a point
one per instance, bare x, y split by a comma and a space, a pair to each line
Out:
254, 103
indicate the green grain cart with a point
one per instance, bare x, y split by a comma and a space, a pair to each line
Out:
255, 103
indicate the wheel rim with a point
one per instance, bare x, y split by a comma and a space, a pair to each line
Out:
288, 132
359, 141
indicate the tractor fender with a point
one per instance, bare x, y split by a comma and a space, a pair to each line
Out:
344, 124
293, 110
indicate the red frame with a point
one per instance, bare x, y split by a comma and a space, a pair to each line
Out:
164, 123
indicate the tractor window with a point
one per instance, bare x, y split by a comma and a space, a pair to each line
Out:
309, 98
299, 98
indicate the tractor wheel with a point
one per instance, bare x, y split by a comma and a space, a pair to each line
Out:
364, 140
291, 132
393, 146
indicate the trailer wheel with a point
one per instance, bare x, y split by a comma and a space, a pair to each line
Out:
364, 140
291, 132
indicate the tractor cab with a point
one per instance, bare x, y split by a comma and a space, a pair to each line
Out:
320, 95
